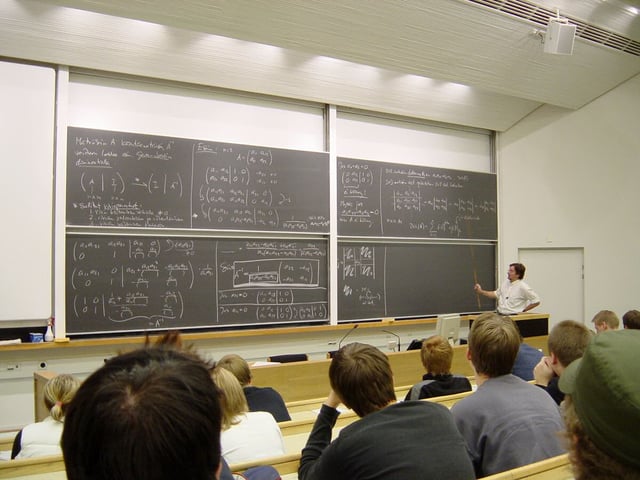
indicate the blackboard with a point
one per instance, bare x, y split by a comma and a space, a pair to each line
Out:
378, 280
396, 200
135, 283
120, 179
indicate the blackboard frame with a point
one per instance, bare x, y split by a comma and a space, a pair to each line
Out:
133, 283
378, 279
382, 199
121, 179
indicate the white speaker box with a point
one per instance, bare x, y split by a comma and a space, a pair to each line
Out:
559, 38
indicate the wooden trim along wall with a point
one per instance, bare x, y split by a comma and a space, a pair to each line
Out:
531, 324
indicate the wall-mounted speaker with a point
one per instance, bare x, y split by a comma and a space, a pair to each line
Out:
559, 37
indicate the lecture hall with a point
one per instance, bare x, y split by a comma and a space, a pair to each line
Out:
284, 178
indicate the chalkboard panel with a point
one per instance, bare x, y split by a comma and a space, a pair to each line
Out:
395, 200
404, 280
120, 179
117, 283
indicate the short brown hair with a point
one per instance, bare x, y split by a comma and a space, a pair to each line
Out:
588, 461
608, 317
436, 354
494, 341
519, 269
631, 319
238, 366
361, 376
568, 340
232, 400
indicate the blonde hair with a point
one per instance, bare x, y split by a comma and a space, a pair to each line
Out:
436, 355
58, 392
608, 317
238, 366
232, 400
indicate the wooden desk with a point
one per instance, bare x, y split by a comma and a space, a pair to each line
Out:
539, 321
32, 466
299, 381
40, 379
555, 468
304, 380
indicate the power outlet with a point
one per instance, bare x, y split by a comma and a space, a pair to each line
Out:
11, 370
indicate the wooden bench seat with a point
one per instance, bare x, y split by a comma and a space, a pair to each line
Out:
32, 466
555, 468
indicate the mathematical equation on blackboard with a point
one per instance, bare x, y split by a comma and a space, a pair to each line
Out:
141, 283
119, 179
377, 280
384, 199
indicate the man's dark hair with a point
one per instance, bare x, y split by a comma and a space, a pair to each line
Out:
151, 414
519, 269
361, 376
631, 319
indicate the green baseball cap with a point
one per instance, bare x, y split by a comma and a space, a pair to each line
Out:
605, 389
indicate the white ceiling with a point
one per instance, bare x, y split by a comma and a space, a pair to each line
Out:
497, 56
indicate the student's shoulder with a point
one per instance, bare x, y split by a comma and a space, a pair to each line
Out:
416, 408
260, 391
260, 416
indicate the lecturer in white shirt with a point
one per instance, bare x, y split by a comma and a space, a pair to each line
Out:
513, 296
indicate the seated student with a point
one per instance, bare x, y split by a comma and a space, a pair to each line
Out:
506, 422
605, 320
567, 341
246, 435
259, 399
526, 360
631, 319
436, 355
602, 408
43, 438
407, 440
150, 414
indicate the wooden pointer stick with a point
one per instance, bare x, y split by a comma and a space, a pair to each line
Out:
475, 273
475, 267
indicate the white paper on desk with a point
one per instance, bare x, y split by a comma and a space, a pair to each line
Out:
264, 364
15, 341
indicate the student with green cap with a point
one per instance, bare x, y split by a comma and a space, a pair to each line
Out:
602, 408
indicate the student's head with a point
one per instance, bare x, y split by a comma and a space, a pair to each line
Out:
436, 355
494, 341
602, 408
361, 376
568, 341
238, 366
631, 319
605, 320
518, 270
149, 414
232, 399
58, 392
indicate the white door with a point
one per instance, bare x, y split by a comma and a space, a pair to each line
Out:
556, 274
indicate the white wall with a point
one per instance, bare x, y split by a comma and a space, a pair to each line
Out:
570, 179
27, 103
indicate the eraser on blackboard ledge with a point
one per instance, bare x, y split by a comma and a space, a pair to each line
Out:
61, 340
388, 320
